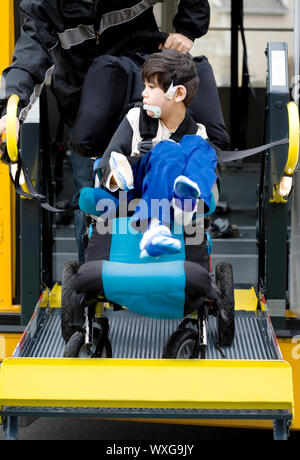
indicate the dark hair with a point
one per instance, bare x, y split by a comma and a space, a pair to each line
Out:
171, 65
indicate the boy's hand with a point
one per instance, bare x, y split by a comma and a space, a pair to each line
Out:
177, 42
3, 127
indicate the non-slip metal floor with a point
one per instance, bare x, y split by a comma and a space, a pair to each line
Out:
140, 337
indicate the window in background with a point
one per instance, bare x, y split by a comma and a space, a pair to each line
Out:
264, 21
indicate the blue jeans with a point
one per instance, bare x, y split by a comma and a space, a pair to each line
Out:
83, 177
155, 174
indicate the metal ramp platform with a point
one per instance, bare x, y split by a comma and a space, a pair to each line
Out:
139, 337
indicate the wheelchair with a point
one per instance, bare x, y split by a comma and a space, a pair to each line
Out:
85, 323
84, 312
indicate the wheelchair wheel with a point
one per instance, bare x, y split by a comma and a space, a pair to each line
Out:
225, 316
76, 348
181, 344
67, 305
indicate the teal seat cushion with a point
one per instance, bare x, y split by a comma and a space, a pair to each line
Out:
155, 289
163, 287
150, 286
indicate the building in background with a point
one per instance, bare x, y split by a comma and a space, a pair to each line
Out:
264, 21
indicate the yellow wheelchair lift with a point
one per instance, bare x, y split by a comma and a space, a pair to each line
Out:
232, 392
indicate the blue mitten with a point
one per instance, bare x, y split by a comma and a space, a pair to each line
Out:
90, 197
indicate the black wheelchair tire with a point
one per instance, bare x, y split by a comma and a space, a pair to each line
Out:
67, 306
76, 342
225, 317
73, 345
177, 341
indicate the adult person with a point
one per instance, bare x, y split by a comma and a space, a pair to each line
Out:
61, 38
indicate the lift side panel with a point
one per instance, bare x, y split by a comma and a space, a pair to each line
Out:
7, 195
291, 353
7, 42
8, 343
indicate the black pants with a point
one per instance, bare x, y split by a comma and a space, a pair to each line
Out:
113, 84
206, 107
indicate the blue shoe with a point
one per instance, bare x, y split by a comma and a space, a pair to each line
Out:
185, 199
121, 171
157, 241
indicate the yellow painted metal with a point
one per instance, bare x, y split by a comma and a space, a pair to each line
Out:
55, 296
277, 198
99, 309
146, 383
11, 127
7, 195
245, 299
51, 299
290, 349
293, 152
262, 301
25, 189
7, 33
44, 299
8, 343
293, 155
7, 242
6, 309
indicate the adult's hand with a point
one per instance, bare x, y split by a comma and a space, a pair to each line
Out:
178, 42
3, 127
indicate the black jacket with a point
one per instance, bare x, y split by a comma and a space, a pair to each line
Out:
62, 37
147, 130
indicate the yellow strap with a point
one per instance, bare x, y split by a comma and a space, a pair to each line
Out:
11, 127
293, 155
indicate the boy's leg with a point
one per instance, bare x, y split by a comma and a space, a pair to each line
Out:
206, 107
201, 163
83, 177
186, 196
154, 177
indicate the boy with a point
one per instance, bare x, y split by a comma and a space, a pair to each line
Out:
171, 161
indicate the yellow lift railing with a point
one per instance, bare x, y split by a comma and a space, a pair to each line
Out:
284, 187
11, 127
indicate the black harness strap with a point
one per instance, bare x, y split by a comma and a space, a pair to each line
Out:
188, 126
32, 193
148, 130
230, 155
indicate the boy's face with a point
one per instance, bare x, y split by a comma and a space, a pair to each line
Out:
154, 95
